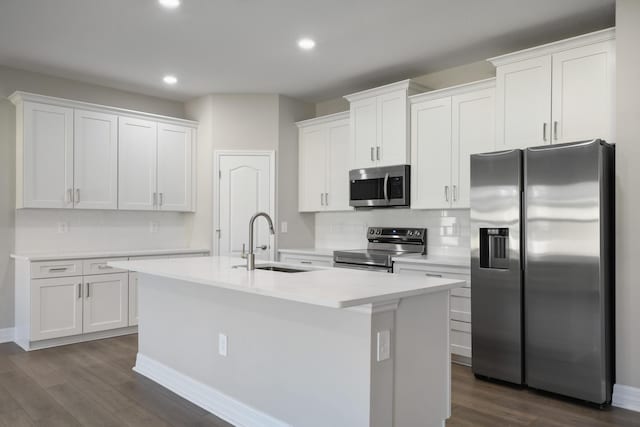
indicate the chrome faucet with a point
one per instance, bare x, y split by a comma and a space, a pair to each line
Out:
251, 257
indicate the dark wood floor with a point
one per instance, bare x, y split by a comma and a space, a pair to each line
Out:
92, 384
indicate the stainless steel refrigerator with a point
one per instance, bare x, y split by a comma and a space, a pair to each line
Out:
542, 268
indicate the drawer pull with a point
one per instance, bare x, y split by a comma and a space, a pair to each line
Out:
433, 275
53, 270
104, 267
306, 262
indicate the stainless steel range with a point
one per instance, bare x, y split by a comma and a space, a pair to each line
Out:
384, 244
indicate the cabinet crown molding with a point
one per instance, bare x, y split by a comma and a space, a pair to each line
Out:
18, 97
323, 119
453, 90
409, 85
555, 47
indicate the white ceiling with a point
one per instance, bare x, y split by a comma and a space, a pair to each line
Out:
250, 45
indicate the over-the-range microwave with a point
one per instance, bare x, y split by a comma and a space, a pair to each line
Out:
382, 187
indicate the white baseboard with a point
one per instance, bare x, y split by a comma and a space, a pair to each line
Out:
626, 397
207, 397
7, 335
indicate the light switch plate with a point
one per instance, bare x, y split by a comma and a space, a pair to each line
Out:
153, 227
222, 345
384, 345
283, 226
63, 227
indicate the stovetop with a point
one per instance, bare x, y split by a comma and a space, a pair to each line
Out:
384, 244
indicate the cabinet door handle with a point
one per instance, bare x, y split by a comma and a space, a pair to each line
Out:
88, 289
79, 290
77, 198
326, 199
378, 153
433, 275
321, 199
555, 130
68, 195
161, 199
446, 193
455, 193
155, 199
544, 131
372, 159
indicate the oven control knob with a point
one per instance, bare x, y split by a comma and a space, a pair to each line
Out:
378, 231
409, 233
371, 231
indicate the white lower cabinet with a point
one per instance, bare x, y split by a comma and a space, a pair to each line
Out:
106, 302
56, 307
460, 304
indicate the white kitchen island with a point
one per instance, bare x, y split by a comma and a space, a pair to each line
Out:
324, 347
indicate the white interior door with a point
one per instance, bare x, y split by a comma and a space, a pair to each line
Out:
583, 93
175, 154
106, 302
95, 160
48, 156
245, 186
137, 163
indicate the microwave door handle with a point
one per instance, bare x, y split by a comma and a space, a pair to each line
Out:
386, 185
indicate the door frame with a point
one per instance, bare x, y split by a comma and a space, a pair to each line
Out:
217, 155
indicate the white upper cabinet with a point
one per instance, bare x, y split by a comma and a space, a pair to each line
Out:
95, 170
559, 92
379, 125
431, 154
447, 127
44, 166
175, 171
72, 154
473, 132
583, 93
524, 103
137, 163
323, 166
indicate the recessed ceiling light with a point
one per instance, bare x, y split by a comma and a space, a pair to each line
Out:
169, 4
306, 43
170, 80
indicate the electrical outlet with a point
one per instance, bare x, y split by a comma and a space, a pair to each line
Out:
384, 345
153, 227
222, 345
283, 226
63, 227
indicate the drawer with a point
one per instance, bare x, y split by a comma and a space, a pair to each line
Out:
307, 260
460, 326
99, 266
46, 269
460, 308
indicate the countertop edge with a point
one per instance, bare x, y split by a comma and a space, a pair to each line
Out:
105, 254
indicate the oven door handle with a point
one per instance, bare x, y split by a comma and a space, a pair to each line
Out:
386, 187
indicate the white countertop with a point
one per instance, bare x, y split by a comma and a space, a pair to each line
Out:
329, 287
446, 260
105, 254
308, 251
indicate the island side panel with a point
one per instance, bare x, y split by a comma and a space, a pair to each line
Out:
422, 361
302, 364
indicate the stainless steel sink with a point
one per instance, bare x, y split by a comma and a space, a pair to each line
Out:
279, 269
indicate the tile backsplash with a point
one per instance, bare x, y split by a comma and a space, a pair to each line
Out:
447, 230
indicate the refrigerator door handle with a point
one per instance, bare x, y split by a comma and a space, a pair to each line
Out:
523, 237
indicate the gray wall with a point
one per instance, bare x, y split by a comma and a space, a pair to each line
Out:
437, 80
250, 122
10, 81
627, 193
